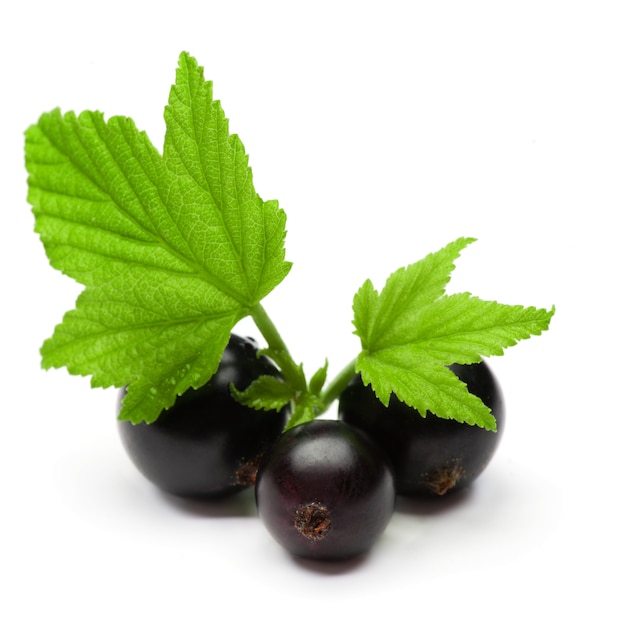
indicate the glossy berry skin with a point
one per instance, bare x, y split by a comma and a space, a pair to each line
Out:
208, 445
325, 491
430, 456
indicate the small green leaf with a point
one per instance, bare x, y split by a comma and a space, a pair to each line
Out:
266, 392
305, 410
411, 331
173, 250
318, 379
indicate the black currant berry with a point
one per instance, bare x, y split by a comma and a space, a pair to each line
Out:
429, 455
325, 491
207, 444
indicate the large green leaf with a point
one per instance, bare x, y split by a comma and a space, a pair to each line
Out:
173, 250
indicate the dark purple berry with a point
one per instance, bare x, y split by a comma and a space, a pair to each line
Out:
429, 455
208, 444
325, 491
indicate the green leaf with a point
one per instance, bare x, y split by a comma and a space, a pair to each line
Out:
173, 250
305, 410
241, 235
307, 403
406, 290
318, 379
266, 392
411, 331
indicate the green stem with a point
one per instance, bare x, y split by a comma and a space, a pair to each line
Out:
290, 370
334, 388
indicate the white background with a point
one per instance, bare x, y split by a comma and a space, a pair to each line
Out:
386, 130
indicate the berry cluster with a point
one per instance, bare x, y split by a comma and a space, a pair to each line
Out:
325, 489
